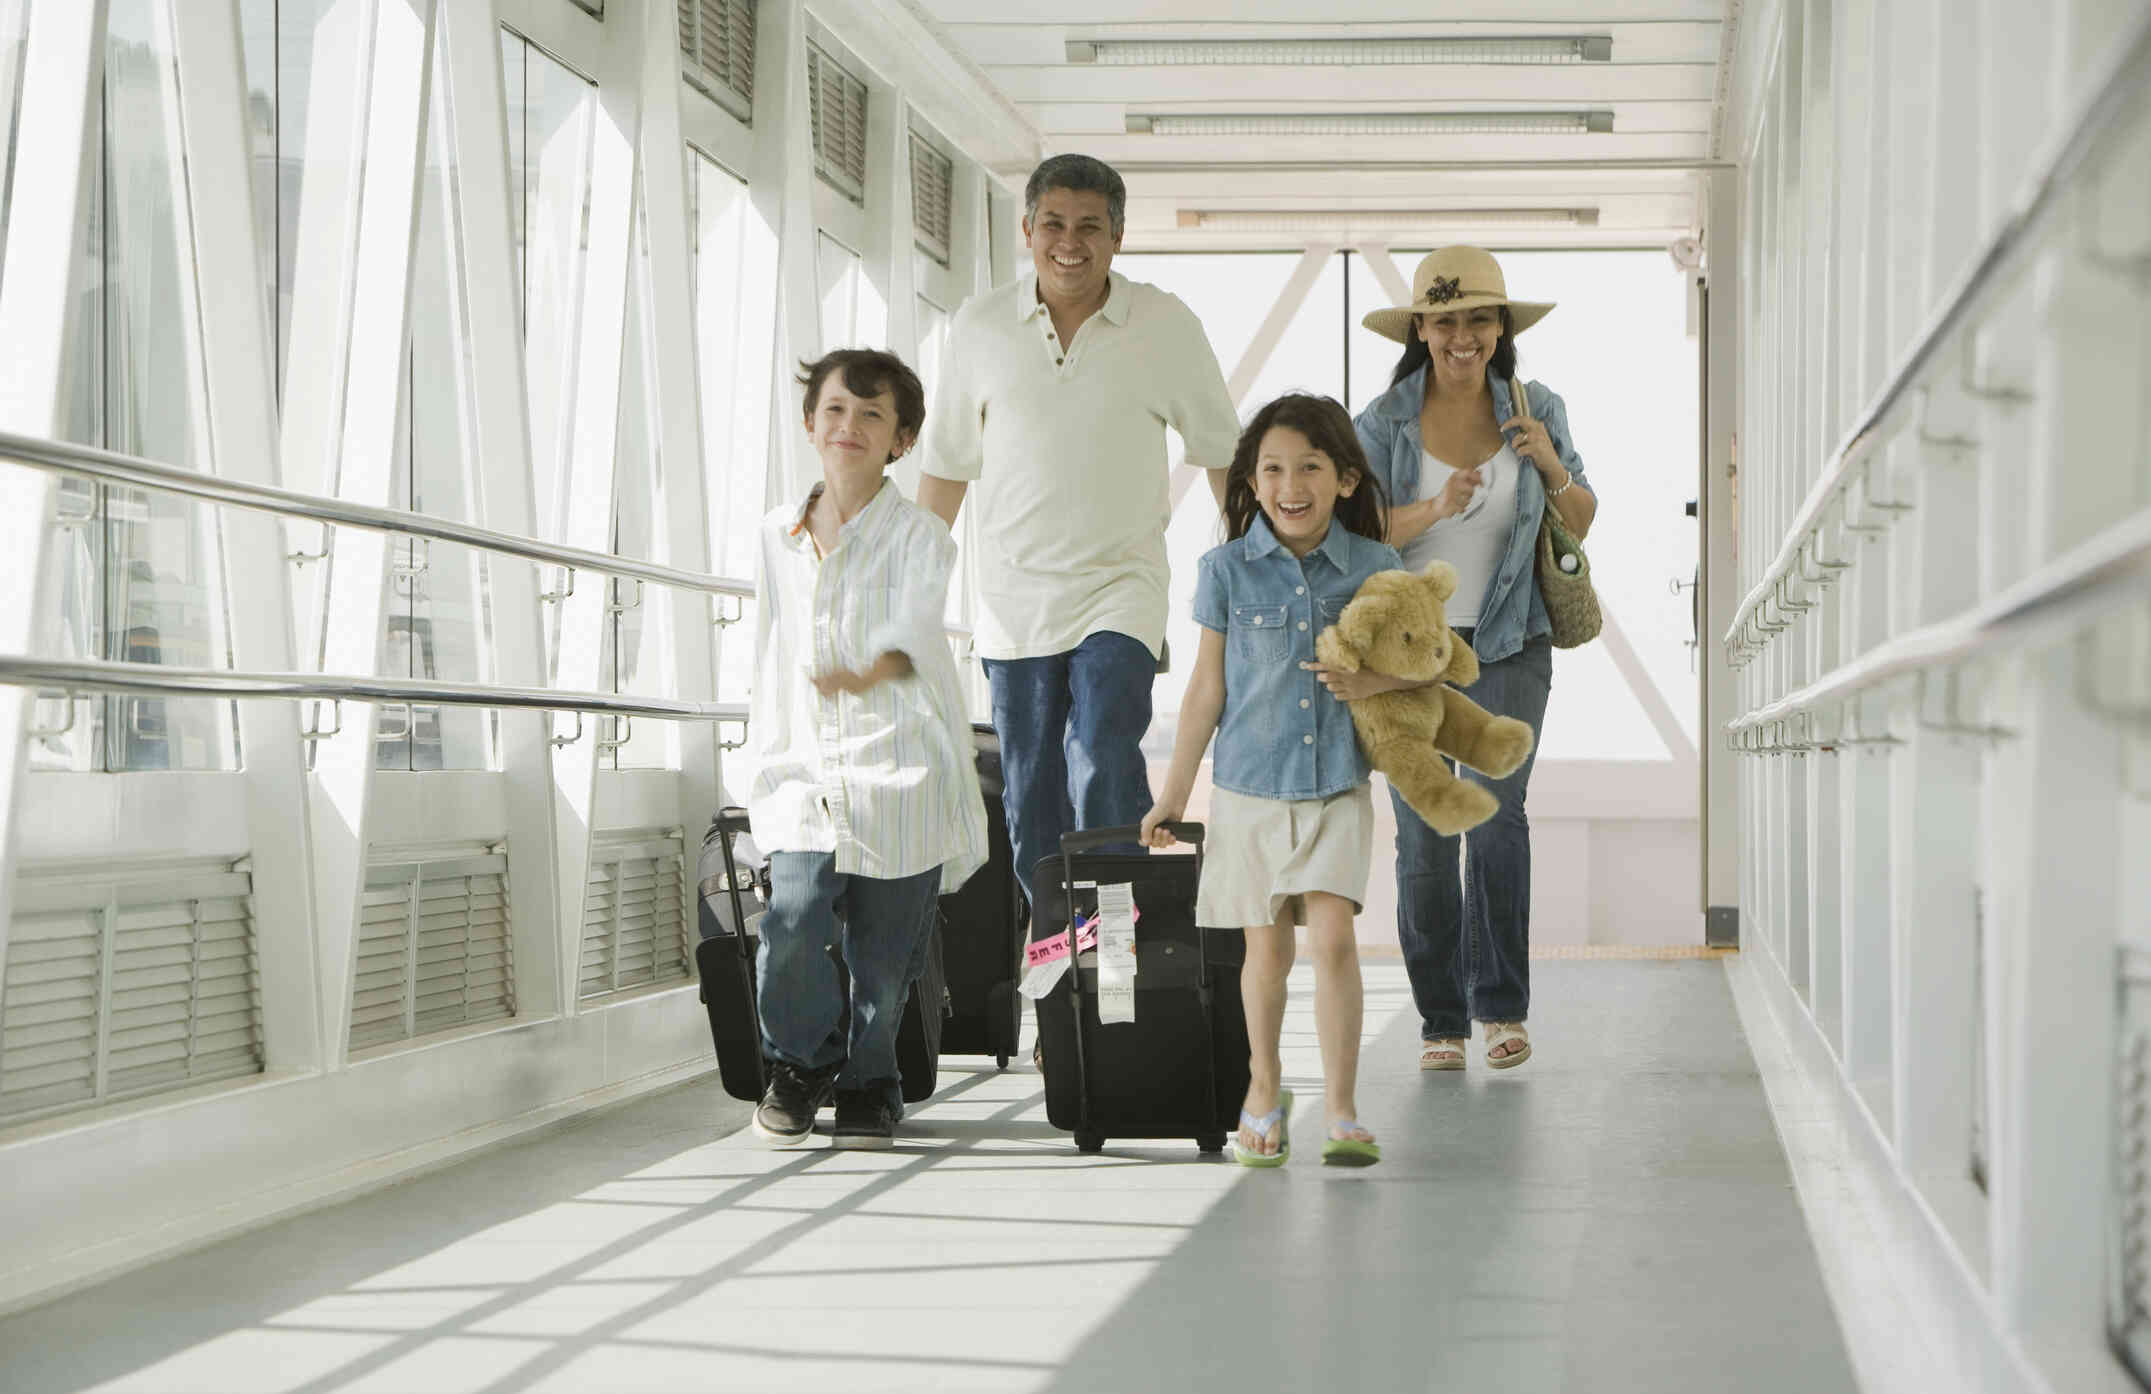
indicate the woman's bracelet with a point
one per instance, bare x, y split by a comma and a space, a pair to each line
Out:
1567, 480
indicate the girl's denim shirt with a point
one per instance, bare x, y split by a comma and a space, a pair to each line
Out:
1513, 611
1281, 735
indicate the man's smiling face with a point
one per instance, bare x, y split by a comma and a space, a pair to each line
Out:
1072, 243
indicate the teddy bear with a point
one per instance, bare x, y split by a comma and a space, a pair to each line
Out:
1398, 624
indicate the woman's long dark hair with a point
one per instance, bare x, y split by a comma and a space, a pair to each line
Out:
1416, 356
1328, 429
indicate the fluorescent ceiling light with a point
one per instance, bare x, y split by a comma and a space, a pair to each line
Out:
1333, 53
1380, 219
1374, 123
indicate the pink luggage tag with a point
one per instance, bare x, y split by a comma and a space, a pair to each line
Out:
1045, 960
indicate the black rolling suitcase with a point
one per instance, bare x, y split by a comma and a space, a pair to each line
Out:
983, 931
1180, 1068
725, 962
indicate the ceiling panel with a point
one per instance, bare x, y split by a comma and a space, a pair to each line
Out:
1634, 183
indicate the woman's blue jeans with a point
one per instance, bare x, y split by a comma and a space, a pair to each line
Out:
1464, 921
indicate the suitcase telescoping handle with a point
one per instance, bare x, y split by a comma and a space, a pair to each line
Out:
1072, 843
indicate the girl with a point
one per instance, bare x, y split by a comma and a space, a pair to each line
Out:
1291, 820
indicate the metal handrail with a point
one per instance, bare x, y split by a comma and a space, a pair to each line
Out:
2096, 577
164, 680
116, 468
1983, 281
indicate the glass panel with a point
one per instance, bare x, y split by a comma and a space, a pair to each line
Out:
139, 574
550, 111
725, 231
933, 324
14, 17
641, 631
1372, 357
437, 621
277, 39
836, 270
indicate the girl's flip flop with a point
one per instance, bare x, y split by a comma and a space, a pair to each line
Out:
1349, 1151
1278, 1118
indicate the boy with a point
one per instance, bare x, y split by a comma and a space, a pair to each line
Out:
863, 790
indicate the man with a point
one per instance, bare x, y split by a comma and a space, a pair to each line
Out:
1054, 396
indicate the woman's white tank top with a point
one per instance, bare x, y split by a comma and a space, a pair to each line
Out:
1475, 539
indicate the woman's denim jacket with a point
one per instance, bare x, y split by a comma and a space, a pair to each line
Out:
1512, 612
1281, 735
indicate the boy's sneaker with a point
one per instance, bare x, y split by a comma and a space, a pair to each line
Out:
864, 1118
785, 1117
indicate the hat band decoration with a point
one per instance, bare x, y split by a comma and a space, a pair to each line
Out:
1447, 288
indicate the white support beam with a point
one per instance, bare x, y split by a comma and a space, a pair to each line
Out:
349, 318
782, 293
239, 380
677, 424
587, 491
62, 63
498, 426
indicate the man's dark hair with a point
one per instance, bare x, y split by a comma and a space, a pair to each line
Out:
1328, 428
867, 373
1079, 174
1502, 364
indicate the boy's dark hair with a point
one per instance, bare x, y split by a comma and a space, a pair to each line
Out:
1080, 174
1328, 429
1502, 364
867, 373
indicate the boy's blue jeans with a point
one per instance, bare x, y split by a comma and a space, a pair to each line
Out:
882, 927
1071, 727
1466, 929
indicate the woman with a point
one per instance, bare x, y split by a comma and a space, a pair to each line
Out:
1469, 478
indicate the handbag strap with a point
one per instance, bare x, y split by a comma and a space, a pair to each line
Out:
1519, 402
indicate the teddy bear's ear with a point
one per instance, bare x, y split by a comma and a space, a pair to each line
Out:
1441, 579
1463, 663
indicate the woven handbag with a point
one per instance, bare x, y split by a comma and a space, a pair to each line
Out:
1564, 571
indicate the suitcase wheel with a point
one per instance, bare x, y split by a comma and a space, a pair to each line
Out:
1000, 1062
1088, 1141
1211, 1142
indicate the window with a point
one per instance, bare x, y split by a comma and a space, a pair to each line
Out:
735, 249
433, 947
933, 181
837, 269
123, 986
717, 51
437, 619
137, 575
634, 912
638, 641
14, 15
836, 109
551, 111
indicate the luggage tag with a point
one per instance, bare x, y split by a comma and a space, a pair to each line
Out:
1116, 953
1045, 960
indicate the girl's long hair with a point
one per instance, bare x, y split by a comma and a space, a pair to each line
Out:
1328, 429
1416, 355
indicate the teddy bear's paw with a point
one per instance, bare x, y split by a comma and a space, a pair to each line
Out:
1501, 747
1458, 809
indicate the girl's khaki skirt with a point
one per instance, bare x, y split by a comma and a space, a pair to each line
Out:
1262, 856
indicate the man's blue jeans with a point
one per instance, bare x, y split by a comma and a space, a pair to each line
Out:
1466, 930
882, 927
1071, 727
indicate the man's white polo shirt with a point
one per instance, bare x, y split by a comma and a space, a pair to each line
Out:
1067, 448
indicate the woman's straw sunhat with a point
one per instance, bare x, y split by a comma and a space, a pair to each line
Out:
1455, 278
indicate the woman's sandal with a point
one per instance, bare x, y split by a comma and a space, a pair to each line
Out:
1349, 1151
1278, 1118
1500, 1032
1444, 1053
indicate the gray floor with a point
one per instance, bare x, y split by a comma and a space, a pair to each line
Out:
1615, 1215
